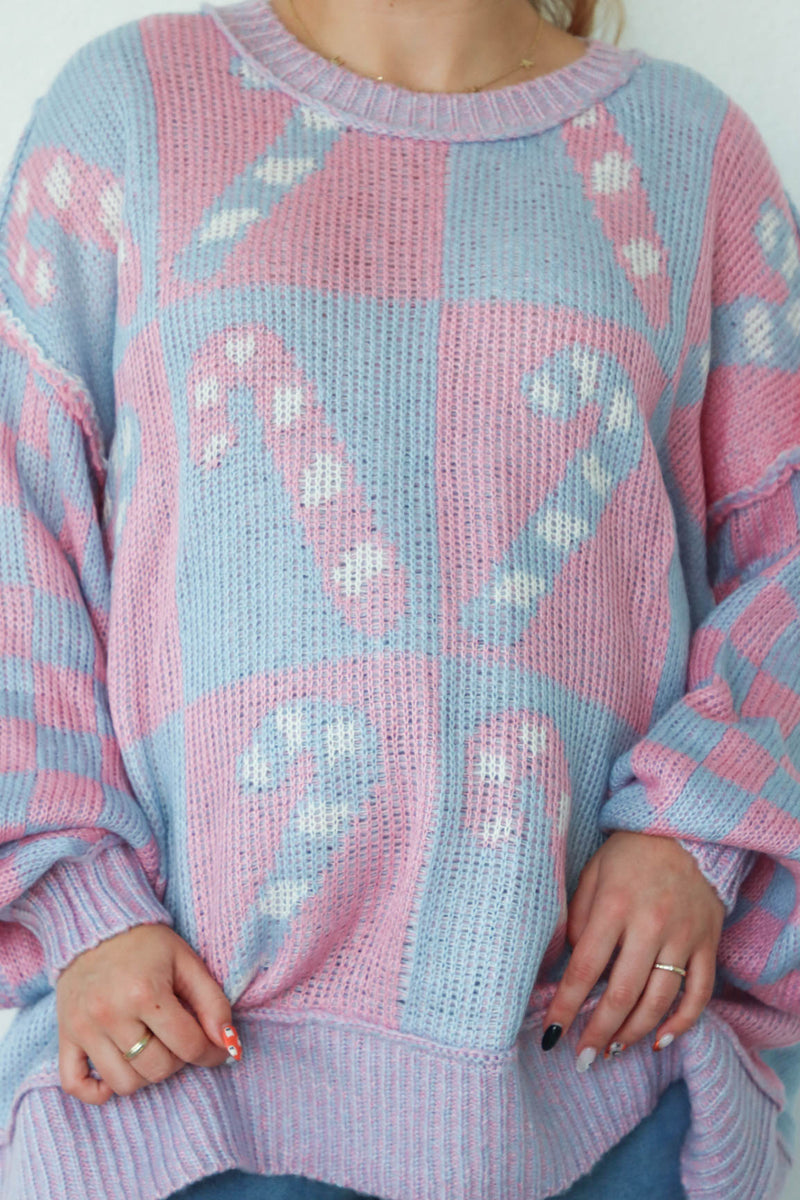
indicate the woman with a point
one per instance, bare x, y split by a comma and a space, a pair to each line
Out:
400, 407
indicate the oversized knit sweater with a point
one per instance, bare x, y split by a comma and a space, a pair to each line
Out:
399, 493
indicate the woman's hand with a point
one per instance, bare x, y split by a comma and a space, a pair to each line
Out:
108, 995
648, 894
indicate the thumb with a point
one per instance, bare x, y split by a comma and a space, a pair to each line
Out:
580, 906
193, 981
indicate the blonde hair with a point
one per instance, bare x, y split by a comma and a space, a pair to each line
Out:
580, 17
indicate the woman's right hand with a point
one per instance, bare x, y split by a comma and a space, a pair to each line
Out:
107, 995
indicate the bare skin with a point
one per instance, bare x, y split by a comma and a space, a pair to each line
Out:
641, 892
146, 977
432, 45
647, 895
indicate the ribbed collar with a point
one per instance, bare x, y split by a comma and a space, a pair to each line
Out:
271, 52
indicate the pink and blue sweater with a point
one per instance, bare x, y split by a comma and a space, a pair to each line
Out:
399, 492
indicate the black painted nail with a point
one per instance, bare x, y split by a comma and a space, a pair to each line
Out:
551, 1036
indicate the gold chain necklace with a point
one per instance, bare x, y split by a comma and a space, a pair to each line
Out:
523, 62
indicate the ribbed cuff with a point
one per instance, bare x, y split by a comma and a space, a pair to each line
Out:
79, 903
723, 866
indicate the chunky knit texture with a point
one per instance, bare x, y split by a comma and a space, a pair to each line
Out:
399, 493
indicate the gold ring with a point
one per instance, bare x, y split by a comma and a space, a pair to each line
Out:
139, 1046
670, 967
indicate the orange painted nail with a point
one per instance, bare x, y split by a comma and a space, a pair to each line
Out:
664, 1041
232, 1043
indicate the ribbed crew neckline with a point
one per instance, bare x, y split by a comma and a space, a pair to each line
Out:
270, 52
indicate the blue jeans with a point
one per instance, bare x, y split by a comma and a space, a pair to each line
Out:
649, 1152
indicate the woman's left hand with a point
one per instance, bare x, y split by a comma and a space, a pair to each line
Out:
648, 894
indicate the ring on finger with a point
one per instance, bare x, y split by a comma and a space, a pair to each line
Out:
618, 1045
663, 966
139, 1046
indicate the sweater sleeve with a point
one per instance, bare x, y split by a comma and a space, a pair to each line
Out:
79, 859
720, 769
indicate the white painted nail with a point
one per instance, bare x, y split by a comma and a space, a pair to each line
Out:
585, 1058
666, 1040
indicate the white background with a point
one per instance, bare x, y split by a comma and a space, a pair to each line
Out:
750, 52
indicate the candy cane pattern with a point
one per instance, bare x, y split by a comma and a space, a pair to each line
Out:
572, 511
343, 747
84, 199
613, 180
752, 329
516, 787
514, 807
359, 565
267, 181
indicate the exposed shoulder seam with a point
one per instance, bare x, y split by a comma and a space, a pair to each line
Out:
771, 481
72, 392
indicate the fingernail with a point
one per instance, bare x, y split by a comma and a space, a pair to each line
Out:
664, 1041
551, 1036
585, 1058
614, 1049
232, 1043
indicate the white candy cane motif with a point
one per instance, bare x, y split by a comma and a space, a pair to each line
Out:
345, 753
85, 200
612, 179
359, 565
752, 330
516, 784
565, 383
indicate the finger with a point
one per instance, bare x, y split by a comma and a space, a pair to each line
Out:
580, 906
587, 963
123, 1075
660, 992
627, 981
699, 988
154, 1062
73, 1069
177, 1027
193, 981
